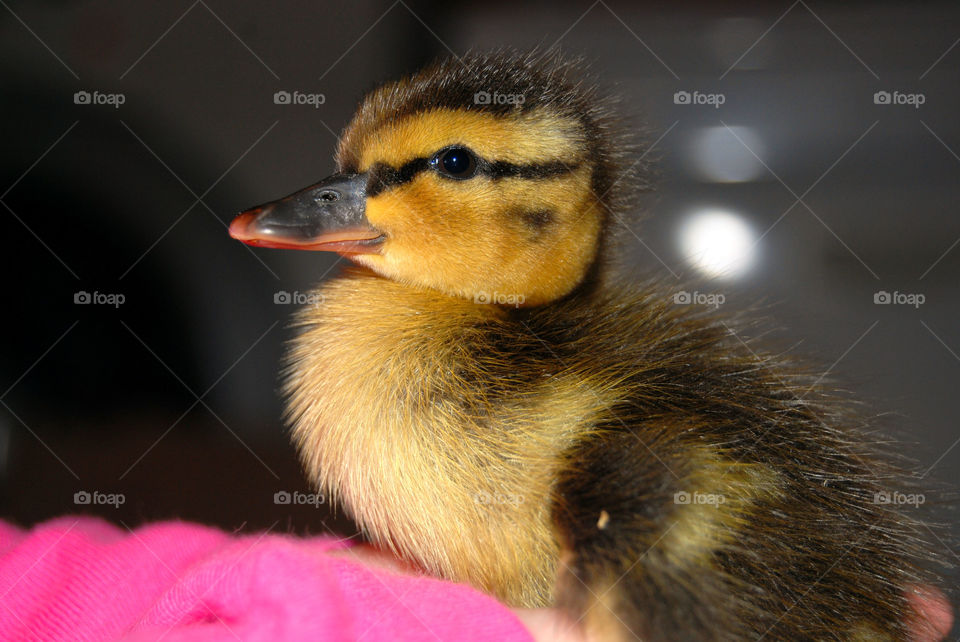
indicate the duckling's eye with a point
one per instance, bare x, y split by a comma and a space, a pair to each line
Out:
455, 162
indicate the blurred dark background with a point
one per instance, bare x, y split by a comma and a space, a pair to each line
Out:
170, 396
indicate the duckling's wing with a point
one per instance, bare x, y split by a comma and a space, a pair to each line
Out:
668, 538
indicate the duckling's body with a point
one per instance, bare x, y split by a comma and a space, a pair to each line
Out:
444, 455
588, 444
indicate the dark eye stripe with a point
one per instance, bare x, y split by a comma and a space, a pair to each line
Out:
502, 169
383, 177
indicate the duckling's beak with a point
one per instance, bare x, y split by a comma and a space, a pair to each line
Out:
326, 216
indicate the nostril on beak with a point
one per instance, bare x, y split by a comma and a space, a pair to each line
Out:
328, 196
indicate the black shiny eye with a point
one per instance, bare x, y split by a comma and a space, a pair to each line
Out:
455, 162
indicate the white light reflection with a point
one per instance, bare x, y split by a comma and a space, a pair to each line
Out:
718, 243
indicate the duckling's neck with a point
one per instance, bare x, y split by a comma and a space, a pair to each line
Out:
387, 313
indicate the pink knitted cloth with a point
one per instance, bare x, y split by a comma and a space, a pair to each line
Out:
79, 578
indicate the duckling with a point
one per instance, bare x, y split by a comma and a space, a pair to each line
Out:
489, 401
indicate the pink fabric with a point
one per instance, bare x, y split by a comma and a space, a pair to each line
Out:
79, 578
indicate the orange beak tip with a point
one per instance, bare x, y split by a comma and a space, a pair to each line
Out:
240, 224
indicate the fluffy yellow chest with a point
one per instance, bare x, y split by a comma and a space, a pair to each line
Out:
396, 415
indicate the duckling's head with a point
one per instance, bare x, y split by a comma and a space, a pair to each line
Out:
490, 175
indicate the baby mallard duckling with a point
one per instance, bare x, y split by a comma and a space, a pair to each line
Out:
488, 402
